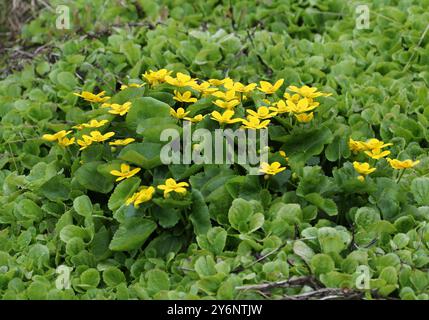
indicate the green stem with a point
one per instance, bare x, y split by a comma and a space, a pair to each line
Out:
400, 176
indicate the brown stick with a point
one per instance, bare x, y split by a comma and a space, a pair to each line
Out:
328, 294
297, 281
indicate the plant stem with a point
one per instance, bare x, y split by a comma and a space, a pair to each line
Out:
400, 176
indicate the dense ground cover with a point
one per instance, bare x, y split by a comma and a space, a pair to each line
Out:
324, 221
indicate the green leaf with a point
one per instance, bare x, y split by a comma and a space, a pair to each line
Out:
322, 263
56, 189
112, 276
152, 133
131, 51
165, 244
28, 209
130, 94
199, 216
39, 253
276, 269
420, 190
146, 108
330, 240
400, 241
90, 278
242, 217
205, 266
170, 203
419, 279
366, 216
157, 280
301, 249
132, 234
100, 243
335, 279
66, 80
42, 68
214, 240
290, 213
71, 231
389, 275
89, 177
326, 205
145, 155
83, 206
339, 147
122, 192
302, 144
37, 291
167, 217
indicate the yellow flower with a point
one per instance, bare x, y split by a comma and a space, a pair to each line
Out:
131, 85
227, 96
308, 92
197, 118
263, 112
186, 97
372, 144
239, 87
269, 88
88, 96
156, 77
254, 123
303, 105
78, 127
398, 165
181, 80
143, 195
217, 82
225, 117
125, 172
304, 117
91, 124
122, 142
95, 124
171, 185
294, 98
56, 136
271, 169
229, 105
66, 141
120, 109
377, 153
179, 114
283, 154
356, 146
363, 168
96, 136
281, 107
204, 88
85, 143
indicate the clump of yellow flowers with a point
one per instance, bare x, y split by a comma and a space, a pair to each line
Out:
228, 95
230, 104
373, 148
